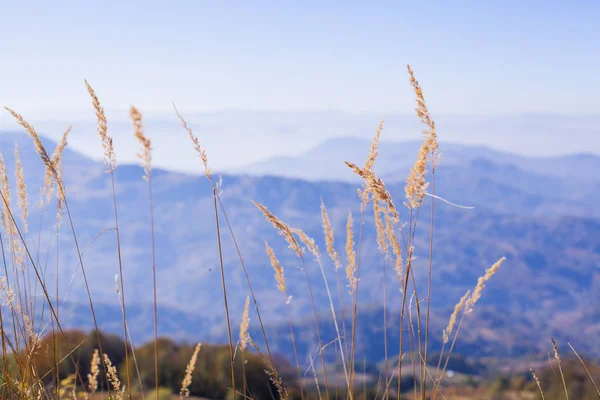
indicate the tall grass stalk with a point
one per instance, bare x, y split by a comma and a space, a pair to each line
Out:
587, 371
110, 161
201, 151
224, 289
247, 276
145, 157
559, 361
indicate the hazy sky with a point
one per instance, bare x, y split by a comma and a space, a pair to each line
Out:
472, 58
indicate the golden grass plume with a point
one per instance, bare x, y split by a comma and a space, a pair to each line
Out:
6, 220
350, 255
283, 229
107, 141
189, 370
392, 238
376, 187
452, 321
279, 277
196, 144
21, 190
380, 229
94, 372
374, 150
481, 283
113, 377
537, 382
39, 147
270, 370
145, 155
329, 238
416, 185
48, 188
57, 162
244, 325
308, 242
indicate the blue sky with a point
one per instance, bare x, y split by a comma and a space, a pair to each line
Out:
472, 58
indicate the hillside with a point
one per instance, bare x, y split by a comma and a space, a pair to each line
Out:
542, 221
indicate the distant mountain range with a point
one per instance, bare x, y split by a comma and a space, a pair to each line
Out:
474, 175
539, 212
326, 161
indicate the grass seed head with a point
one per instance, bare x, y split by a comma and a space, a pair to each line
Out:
481, 283
350, 256
279, 276
107, 141
244, 325
145, 155
189, 370
21, 189
283, 229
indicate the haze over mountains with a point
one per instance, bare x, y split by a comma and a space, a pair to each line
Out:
237, 138
542, 213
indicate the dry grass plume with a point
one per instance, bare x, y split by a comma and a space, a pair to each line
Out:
281, 227
350, 255
416, 184
94, 372
481, 283
107, 141
279, 276
196, 144
189, 370
21, 190
329, 238
244, 325
145, 155
452, 321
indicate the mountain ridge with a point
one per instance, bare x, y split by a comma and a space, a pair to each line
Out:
541, 236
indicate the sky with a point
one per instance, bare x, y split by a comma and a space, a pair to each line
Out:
472, 59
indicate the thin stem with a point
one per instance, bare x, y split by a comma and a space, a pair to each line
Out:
402, 311
339, 290
365, 378
56, 342
224, 289
87, 288
112, 178
244, 380
337, 328
295, 351
314, 307
385, 341
355, 301
586, 370
439, 383
424, 378
237, 248
154, 285
14, 318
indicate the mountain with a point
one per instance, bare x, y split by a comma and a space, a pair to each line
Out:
326, 161
475, 175
547, 228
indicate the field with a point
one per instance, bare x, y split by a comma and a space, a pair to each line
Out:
43, 359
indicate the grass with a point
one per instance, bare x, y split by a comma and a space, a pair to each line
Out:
20, 342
